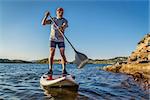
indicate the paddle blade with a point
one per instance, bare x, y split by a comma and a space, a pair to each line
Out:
80, 59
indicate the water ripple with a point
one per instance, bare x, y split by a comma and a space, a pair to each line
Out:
21, 82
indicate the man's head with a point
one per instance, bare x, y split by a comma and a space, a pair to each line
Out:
59, 12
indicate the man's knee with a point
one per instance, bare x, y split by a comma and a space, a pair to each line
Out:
62, 51
52, 51
62, 54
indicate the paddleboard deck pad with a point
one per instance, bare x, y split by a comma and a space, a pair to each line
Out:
58, 81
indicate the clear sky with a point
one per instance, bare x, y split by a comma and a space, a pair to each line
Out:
98, 28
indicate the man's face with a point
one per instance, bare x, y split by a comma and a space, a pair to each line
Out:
59, 13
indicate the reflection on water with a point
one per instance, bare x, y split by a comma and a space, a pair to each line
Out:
21, 82
61, 93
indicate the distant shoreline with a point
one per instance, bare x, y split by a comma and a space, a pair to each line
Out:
58, 61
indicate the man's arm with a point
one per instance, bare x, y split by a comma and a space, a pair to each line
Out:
63, 27
65, 24
45, 21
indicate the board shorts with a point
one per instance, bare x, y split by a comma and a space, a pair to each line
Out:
54, 44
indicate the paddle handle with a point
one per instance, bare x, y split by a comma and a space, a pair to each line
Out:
62, 34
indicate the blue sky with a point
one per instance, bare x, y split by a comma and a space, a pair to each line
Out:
98, 28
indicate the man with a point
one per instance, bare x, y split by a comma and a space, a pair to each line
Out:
56, 38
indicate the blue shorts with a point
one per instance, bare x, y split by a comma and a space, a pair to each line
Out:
60, 44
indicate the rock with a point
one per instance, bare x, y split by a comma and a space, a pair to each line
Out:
142, 52
138, 63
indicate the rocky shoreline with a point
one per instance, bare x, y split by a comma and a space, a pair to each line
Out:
137, 64
140, 72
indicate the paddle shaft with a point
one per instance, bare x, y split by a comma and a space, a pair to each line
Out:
63, 34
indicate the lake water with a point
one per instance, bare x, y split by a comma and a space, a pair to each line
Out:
21, 82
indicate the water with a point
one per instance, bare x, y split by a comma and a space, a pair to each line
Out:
21, 82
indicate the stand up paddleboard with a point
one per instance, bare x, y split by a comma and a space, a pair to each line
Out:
58, 81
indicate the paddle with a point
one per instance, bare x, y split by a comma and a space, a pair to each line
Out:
80, 58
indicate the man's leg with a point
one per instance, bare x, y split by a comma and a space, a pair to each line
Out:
62, 52
51, 58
